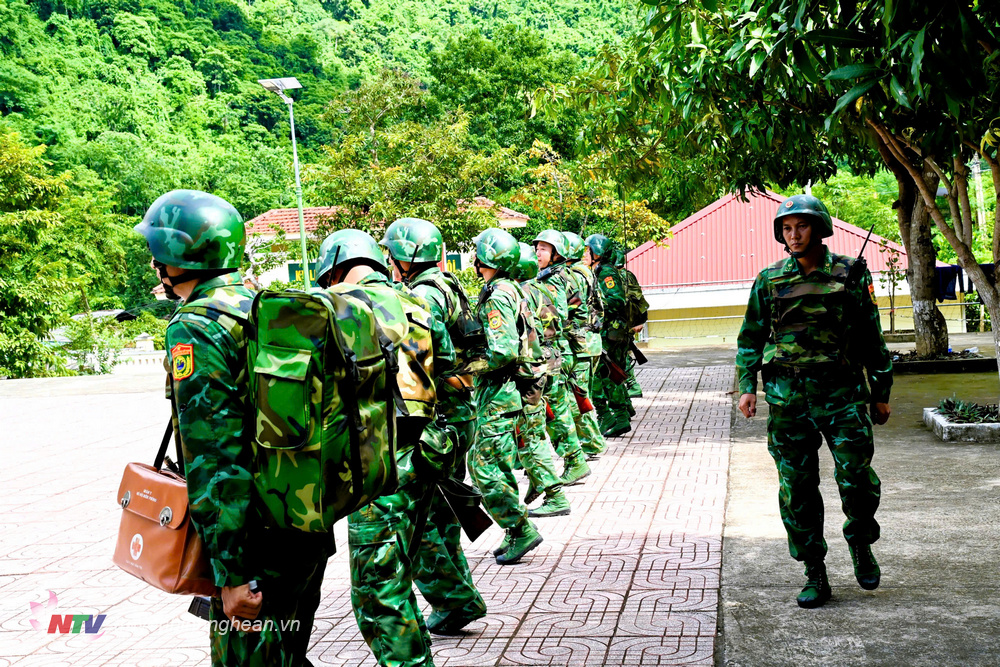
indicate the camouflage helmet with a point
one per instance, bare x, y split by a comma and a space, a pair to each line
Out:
413, 240
348, 245
527, 264
194, 230
555, 239
808, 206
497, 249
574, 246
599, 244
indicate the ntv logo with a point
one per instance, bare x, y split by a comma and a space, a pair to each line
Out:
68, 623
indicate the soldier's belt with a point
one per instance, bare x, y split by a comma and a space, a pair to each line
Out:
826, 370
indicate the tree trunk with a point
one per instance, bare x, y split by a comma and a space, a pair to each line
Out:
915, 231
928, 322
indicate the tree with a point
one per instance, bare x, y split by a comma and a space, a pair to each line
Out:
568, 197
386, 167
493, 79
759, 86
30, 291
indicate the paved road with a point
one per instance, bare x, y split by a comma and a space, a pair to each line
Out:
631, 577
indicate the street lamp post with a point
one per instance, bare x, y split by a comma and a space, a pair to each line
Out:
277, 86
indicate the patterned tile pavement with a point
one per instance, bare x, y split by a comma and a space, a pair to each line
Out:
630, 578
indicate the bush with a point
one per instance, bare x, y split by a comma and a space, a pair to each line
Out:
965, 412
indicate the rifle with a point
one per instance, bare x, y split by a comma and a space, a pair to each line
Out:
464, 501
640, 358
860, 265
615, 372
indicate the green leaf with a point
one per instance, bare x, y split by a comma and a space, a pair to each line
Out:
898, 93
710, 5
837, 37
803, 63
855, 71
917, 48
852, 95
758, 60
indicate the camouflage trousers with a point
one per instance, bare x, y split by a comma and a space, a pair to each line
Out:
534, 450
290, 584
381, 536
804, 412
588, 431
632, 384
561, 428
441, 571
611, 398
491, 466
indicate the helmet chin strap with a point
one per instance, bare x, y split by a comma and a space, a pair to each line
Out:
170, 282
800, 255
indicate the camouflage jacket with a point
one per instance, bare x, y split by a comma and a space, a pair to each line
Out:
796, 319
207, 385
562, 288
456, 405
548, 324
499, 311
612, 288
586, 312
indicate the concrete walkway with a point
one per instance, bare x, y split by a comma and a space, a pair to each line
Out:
939, 551
630, 578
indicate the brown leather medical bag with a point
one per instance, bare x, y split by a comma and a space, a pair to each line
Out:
157, 541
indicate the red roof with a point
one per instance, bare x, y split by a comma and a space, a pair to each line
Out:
288, 220
731, 240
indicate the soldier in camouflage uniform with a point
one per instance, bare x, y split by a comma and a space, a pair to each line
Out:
550, 246
812, 328
534, 449
637, 308
611, 396
385, 535
197, 242
586, 314
505, 317
441, 570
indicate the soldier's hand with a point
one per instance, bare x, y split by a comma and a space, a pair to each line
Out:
748, 405
637, 328
880, 413
240, 604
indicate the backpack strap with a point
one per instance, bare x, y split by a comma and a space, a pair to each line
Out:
388, 351
430, 282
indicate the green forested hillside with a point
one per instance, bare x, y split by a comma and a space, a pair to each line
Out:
106, 104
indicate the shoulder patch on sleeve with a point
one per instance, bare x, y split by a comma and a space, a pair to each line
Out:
496, 319
182, 357
871, 292
609, 282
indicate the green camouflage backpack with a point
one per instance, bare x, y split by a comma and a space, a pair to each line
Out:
408, 324
636, 306
465, 329
320, 372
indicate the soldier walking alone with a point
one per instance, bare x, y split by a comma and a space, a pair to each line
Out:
812, 329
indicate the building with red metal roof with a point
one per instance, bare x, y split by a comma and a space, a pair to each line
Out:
698, 280
730, 241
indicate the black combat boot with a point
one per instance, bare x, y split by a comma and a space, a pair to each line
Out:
817, 590
866, 569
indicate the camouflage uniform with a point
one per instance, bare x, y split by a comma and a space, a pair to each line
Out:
562, 427
586, 314
794, 333
534, 449
638, 308
499, 406
207, 351
441, 571
385, 535
611, 398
